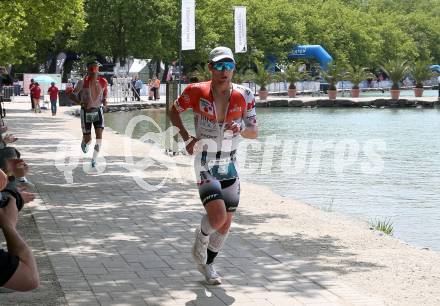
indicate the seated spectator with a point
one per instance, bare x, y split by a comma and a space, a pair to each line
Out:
17, 167
18, 268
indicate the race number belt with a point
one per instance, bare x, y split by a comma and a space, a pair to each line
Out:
92, 115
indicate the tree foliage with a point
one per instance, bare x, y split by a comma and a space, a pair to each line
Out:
139, 28
361, 32
26, 24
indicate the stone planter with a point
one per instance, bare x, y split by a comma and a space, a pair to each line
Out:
291, 93
263, 94
418, 92
332, 94
395, 94
355, 92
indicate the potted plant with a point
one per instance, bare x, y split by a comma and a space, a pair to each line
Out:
292, 74
240, 76
396, 71
202, 73
356, 74
420, 72
262, 78
333, 74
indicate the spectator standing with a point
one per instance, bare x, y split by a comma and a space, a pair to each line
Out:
150, 90
31, 87
156, 87
53, 94
138, 86
133, 88
36, 94
438, 80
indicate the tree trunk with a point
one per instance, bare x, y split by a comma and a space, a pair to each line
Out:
157, 68
165, 73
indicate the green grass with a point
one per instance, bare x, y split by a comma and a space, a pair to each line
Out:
385, 226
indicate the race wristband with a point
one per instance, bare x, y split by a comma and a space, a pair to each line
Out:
242, 126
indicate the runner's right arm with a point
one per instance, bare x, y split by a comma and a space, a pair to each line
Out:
180, 105
73, 95
177, 122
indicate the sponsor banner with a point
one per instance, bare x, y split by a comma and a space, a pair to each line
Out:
61, 58
188, 25
240, 29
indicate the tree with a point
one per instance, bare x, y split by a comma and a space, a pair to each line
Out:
28, 23
122, 28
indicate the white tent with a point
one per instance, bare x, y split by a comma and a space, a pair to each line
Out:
137, 65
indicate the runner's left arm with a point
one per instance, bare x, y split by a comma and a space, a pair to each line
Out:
78, 88
249, 128
105, 93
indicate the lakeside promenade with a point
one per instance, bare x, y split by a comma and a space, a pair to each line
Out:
107, 241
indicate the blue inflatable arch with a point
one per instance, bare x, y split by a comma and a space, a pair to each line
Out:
311, 51
435, 68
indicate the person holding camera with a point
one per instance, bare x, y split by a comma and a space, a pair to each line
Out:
16, 169
18, 268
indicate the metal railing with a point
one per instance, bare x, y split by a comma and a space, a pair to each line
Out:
10, 91
122, 91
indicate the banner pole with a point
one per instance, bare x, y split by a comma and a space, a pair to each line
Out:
180, 71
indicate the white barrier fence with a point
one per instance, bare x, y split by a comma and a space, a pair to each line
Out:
121, 91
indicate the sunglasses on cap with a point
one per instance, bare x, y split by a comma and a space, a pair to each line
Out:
220, 66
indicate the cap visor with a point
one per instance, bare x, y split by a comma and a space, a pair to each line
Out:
220, 57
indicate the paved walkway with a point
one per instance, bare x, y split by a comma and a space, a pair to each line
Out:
112, 242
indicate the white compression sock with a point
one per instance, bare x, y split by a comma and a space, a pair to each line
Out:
96, 149
206, 227
217, 241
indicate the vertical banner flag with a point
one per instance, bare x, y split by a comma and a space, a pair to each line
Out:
61, 58
188, 25
240, 29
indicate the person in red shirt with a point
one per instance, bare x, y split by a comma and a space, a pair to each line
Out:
36, 94
53, 94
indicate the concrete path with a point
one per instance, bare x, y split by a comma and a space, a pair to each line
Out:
112, 241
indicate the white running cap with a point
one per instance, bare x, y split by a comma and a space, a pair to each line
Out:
220, 53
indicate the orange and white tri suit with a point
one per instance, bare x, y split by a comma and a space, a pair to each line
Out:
217, 161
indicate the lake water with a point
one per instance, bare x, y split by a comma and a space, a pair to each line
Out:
371, 164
